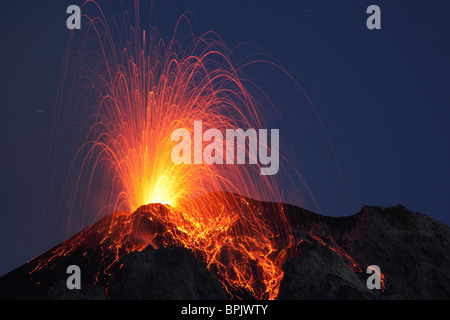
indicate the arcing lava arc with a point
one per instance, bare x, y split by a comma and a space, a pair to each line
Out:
134, 89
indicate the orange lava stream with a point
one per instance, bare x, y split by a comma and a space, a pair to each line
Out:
144, 88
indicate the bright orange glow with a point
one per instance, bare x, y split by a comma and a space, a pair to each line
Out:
145, 88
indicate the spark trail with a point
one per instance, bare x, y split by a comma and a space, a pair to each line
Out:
134, 89
143, 88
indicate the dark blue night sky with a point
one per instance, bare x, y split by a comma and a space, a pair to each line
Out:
382, 95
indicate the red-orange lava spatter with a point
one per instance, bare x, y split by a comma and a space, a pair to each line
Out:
143, 88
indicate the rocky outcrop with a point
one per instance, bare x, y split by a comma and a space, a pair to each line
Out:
169, 274
411, 249
328, 261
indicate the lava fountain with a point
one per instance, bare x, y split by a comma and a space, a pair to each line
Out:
140, 89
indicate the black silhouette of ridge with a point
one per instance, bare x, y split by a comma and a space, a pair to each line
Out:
329, 260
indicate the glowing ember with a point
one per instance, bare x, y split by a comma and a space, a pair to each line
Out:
144, 89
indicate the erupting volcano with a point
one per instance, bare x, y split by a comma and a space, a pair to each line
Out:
134, 90
143, 89
169, 148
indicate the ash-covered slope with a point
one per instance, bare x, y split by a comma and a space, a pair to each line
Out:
115, 250
328, 259
411, 249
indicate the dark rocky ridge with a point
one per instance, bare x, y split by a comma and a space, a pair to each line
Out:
412, 250
163, 274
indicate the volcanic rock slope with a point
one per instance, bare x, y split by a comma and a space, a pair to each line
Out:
329, 260
411, 249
